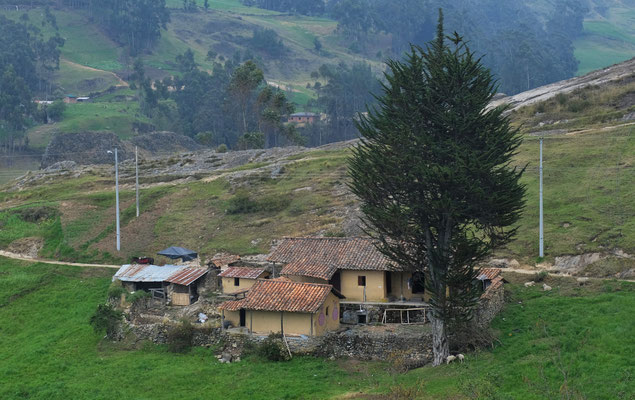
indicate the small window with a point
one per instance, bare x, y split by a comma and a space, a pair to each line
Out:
361, 280
236, 281
327, 311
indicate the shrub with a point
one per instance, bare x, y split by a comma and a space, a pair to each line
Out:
273, 349
222, 148
540, 276
577, 105
137, 295
36, 214
106, 318
242, 203
205, 138
251, 140
562, 99
180, 337
56, 110
115, 290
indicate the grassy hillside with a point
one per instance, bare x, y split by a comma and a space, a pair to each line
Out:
608, 39
48, 351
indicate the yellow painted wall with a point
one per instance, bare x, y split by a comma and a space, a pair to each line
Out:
228, 284
332, 320
233, 317
375, 285
269, 321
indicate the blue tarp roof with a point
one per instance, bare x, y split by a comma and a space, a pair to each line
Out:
178, 252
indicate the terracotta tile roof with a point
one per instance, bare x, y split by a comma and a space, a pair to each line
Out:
221, 260
321, 257
282, 295
242, 272
494, 275
232, 305
308, 268
186, 276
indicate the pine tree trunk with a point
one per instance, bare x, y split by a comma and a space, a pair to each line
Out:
440, 344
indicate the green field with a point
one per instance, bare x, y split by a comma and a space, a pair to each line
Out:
582, 347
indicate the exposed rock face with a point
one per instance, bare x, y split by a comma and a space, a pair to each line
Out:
574, 264
84, 148
162, 142
92, 147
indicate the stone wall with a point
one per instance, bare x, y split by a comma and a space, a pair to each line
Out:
489, 307
375, 313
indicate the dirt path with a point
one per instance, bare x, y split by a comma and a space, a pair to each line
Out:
122, 83
14, 256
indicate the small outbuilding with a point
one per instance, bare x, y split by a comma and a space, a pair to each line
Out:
281, 305
235, 279
176, 284
303, 117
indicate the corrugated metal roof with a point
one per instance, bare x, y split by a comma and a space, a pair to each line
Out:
242, 272
282, 295
186, 276
321, 254
180, 274
221, 260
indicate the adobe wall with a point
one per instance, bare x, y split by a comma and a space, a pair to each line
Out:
489, 307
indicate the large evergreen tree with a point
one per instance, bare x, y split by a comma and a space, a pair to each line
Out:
433, 171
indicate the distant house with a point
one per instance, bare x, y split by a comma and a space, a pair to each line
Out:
83, 99
353, 266
235, 279
303, 117
70, 99
224, 261
177, 284
281, 305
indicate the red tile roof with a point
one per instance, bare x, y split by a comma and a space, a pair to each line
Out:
494, 275
225, 259
242, 272
321, 257
186, 276
282, 295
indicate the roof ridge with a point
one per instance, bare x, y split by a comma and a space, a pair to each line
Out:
294, 282
325, 238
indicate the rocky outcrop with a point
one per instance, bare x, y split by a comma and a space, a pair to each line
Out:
574, 264
87, 148
84, 148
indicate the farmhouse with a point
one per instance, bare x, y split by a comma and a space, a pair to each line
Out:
303, 117
236, 279
352, 265
281, 305
176, 284
70, 99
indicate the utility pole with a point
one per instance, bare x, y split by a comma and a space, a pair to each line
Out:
136, 168
541, 235
117, 199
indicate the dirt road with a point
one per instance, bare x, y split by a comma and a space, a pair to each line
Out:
14, 256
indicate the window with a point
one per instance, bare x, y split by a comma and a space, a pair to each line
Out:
361, 280
327, 311
236, 281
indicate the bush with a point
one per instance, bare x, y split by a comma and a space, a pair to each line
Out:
115, 290
180, 337
55, 111
540, 276
251, 140
273, 349
242, 203
562, 99
106, 318
576, 106
36, 214
205, 138
222, 148
135, 296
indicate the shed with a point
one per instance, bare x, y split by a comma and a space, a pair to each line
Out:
239, 278
281, 305
175, 283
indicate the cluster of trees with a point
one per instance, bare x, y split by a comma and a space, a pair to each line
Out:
347, 92
27, 62
526, 46
233, 105
304, 7
136, 24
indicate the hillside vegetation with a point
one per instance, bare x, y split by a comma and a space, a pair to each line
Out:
49, 351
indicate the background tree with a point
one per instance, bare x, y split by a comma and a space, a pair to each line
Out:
434, 177
245, 80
